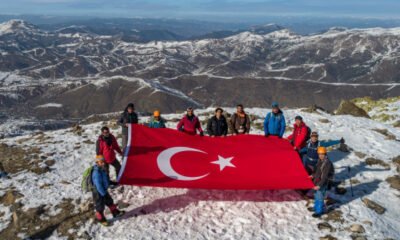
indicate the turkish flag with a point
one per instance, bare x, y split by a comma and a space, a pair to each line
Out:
169, 158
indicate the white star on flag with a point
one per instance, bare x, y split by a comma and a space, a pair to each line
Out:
224, 162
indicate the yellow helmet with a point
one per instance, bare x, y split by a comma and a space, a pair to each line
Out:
322, 150
157, 113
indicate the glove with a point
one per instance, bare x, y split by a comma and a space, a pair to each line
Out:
201, 134
342, 140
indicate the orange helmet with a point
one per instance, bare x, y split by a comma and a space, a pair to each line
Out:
322, 150
156, 113
99, 158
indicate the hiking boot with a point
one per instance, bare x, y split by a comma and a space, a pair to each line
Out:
316, 215
118, 213
103, 222
101, 219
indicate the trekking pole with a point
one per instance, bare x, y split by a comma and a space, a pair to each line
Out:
351, 184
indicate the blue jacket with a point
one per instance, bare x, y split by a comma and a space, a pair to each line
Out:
156, 124
274, 124
100, 180
311, 148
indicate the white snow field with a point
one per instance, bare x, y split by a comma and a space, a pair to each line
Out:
163, 213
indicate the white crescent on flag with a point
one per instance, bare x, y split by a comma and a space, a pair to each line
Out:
164, 163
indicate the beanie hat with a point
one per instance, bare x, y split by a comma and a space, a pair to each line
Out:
298, 118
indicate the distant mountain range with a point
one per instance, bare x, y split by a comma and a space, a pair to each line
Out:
81, 70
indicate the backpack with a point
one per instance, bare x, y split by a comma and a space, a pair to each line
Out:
308, 136
87, 182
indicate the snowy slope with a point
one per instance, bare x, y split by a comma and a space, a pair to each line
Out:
157, 213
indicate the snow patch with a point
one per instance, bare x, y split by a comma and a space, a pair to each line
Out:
50, 105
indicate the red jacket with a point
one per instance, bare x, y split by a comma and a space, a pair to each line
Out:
299, 135
190, 125
107, 148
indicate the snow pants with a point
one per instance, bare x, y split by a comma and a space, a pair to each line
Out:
319, 197
100, 202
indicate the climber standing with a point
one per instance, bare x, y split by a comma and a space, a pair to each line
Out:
129, 116
322, 178
101, 197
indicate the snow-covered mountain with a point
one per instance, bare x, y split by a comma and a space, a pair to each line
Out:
267, 63
43, 197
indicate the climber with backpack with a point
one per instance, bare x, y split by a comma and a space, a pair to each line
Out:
301, 134
310, 154
96, 180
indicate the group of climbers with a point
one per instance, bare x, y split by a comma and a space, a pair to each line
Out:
217, 125
106, 149
312, 151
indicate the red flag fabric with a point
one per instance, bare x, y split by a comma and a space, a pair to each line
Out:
169, 158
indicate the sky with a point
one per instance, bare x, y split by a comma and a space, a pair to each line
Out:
204, 9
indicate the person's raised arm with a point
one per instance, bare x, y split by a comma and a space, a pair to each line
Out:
330, 143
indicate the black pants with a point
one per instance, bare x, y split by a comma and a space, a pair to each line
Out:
100, 202
116, 165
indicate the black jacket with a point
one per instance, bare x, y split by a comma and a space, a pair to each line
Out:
127, 118
324, 173
217, 127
